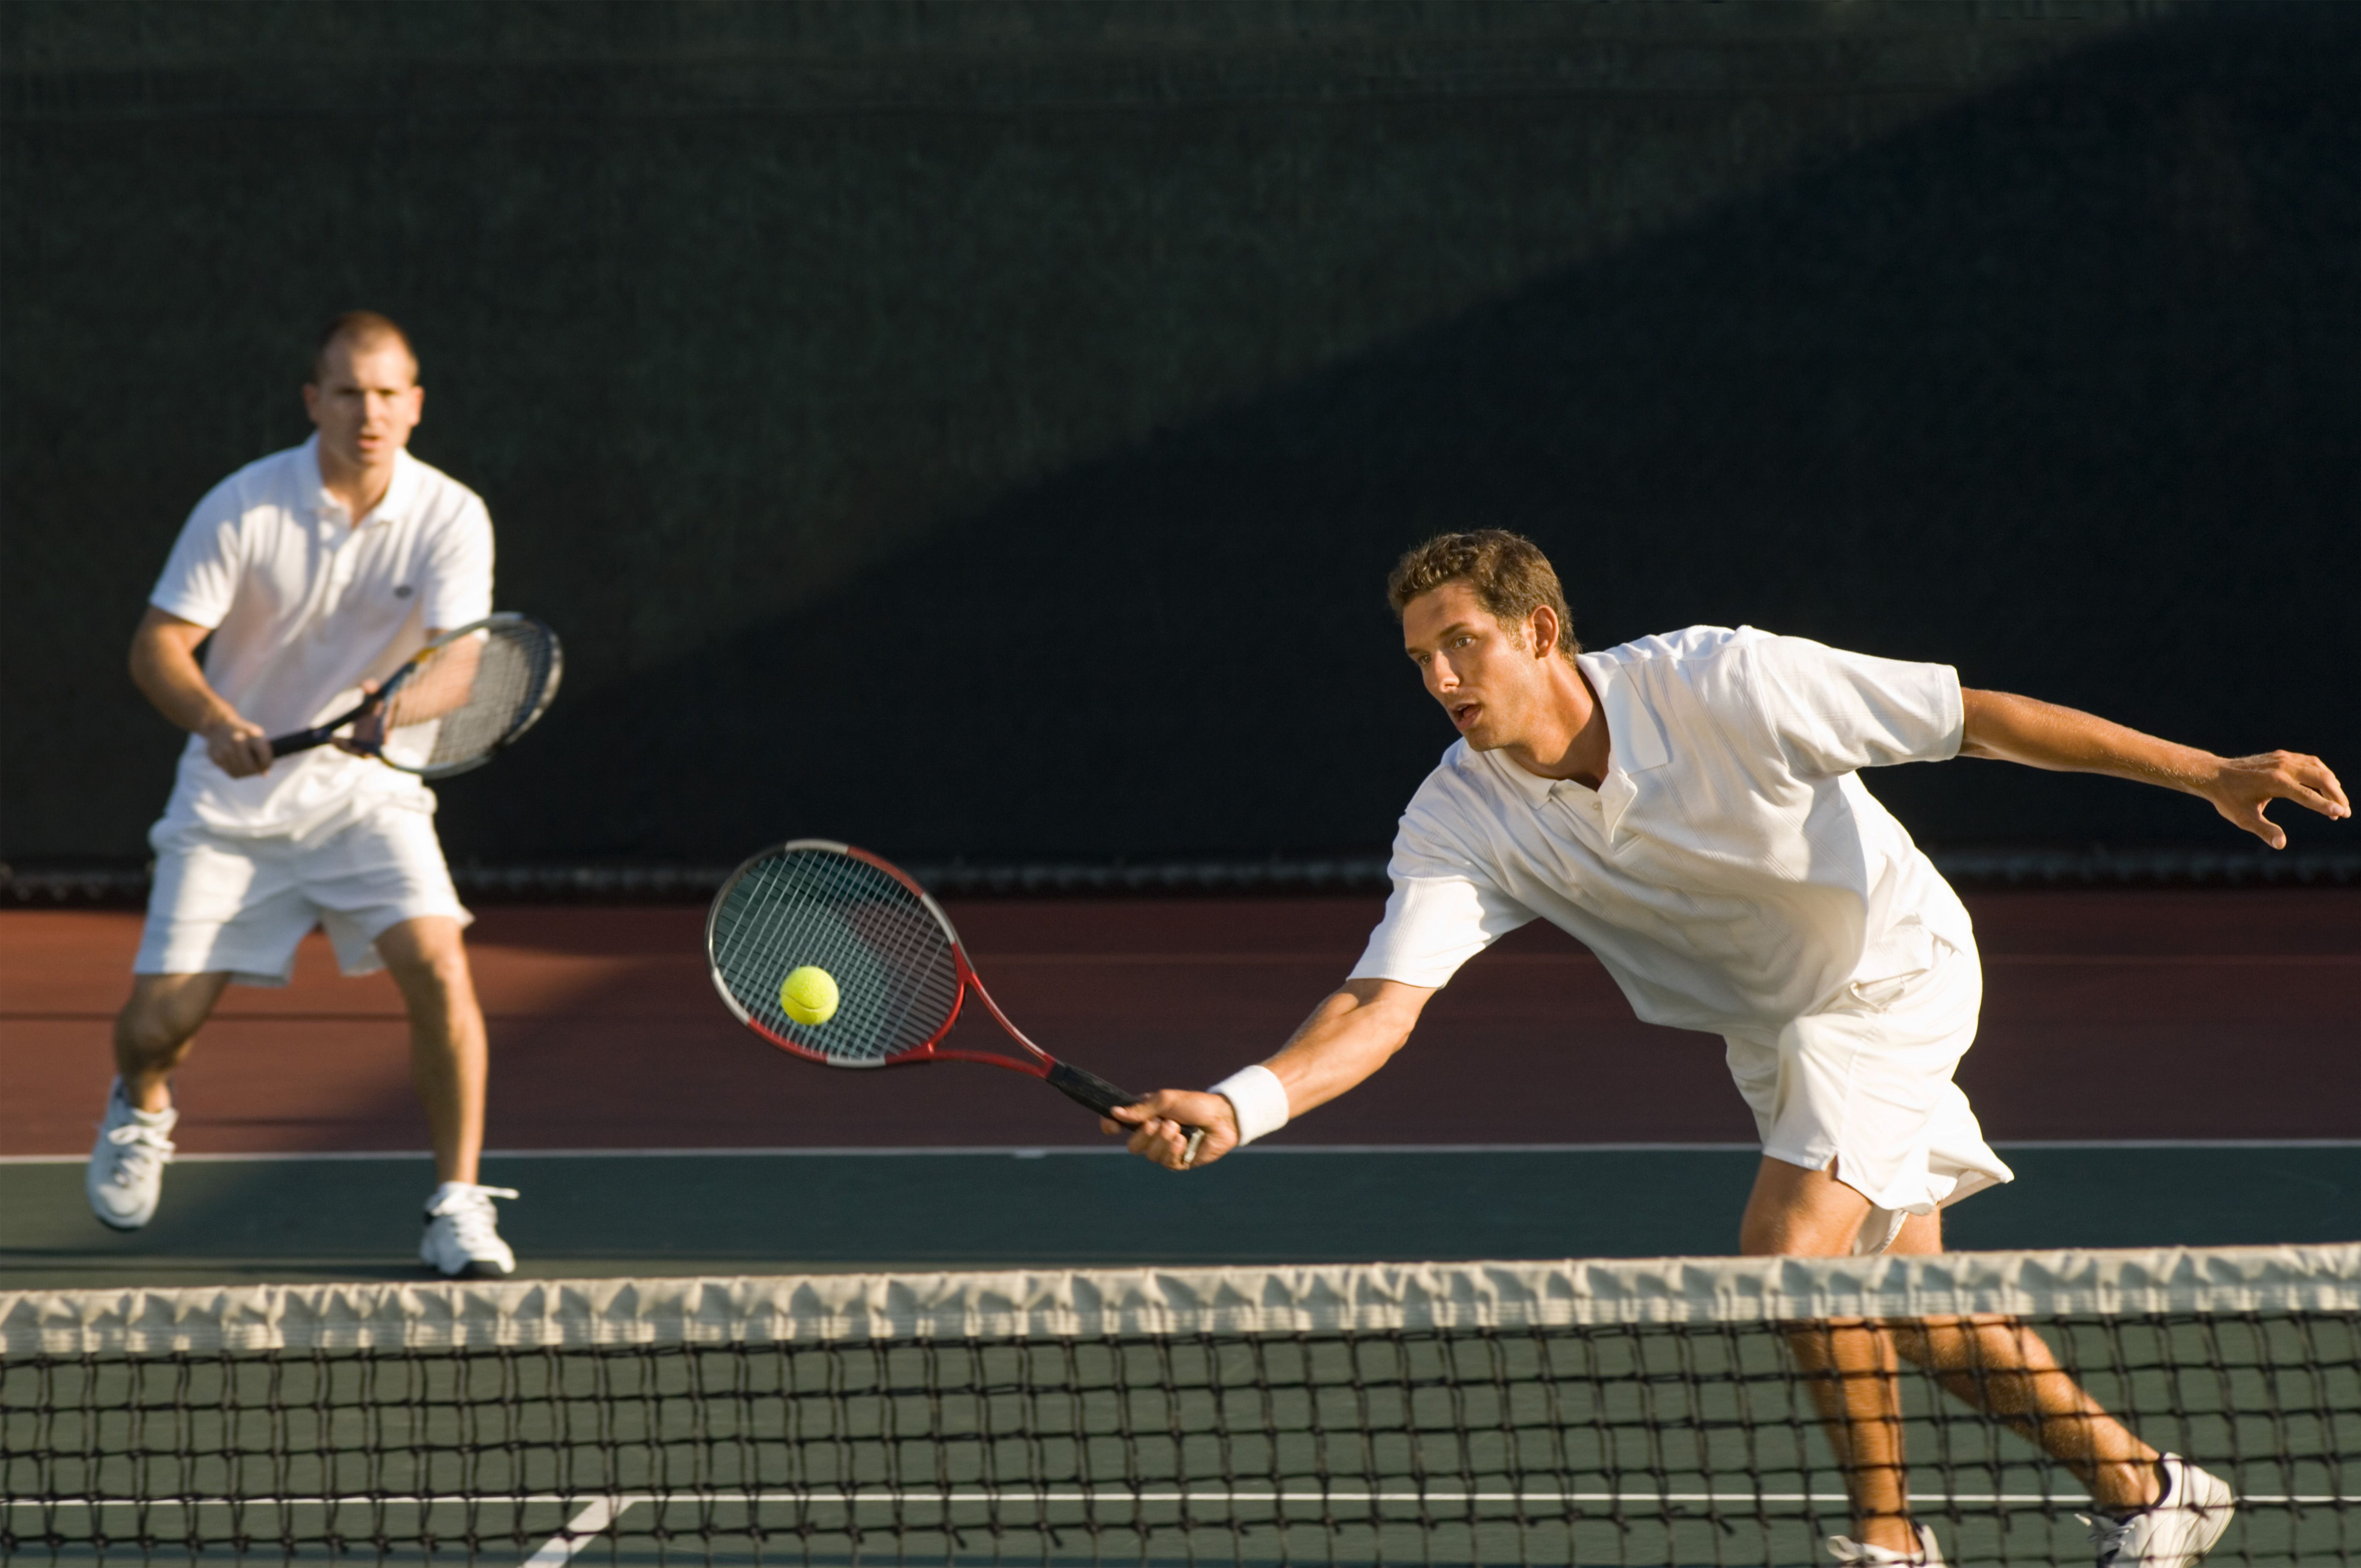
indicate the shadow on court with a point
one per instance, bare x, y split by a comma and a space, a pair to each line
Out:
226, 1222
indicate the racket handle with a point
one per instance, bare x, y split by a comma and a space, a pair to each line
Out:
302, 741
1088, 1088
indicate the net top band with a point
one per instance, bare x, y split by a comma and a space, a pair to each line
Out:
1142, 1303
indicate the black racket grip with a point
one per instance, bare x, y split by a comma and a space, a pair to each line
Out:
1088, 1088
304, 740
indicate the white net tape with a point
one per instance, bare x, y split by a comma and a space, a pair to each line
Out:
1097, 1303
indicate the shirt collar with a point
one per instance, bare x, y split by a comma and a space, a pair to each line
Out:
400, 492
1634, 744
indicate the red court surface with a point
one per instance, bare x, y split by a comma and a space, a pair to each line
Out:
2155, 1015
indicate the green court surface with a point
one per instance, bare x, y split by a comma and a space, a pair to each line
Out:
234, 1221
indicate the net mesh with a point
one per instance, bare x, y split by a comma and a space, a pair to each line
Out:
897, 985
1634, 1412
470, 696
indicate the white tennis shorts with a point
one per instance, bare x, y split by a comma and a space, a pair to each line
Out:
1867, 1084
237, 905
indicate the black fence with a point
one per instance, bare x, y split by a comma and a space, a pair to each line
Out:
982, 431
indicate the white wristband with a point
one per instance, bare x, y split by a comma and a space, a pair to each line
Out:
1257, 1098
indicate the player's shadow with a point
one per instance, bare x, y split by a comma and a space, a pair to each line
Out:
2058, 386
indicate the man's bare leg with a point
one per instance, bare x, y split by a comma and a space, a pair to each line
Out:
153, 1032
1996, 1363
1795, 1212
2002, 1366
448, 1055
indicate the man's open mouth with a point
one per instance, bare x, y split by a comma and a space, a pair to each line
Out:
1463, 713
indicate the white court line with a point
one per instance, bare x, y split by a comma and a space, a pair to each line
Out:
594, 1520
1019, 1151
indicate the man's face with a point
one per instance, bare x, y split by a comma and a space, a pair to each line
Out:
1486, 676
367, 400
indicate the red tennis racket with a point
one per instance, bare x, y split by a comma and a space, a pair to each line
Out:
898, 971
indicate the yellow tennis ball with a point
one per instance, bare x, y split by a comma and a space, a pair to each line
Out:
808, 996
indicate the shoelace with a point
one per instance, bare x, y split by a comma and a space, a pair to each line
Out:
140, 1151
473, 1219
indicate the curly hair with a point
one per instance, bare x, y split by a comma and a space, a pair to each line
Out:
1510, 575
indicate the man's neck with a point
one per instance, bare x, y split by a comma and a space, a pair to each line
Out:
1572, 742
358, 489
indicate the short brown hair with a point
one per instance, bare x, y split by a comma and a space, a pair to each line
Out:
359, 328
1511, 576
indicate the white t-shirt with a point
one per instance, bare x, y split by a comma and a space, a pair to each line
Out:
1730, 871
304, 606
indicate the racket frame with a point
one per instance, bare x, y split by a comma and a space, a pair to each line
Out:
322, 734
1086, 1089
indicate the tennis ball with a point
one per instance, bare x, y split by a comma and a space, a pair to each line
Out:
808, 996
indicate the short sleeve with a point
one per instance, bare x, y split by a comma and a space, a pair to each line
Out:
457, 586
1442, 911
1834, 712
200, 578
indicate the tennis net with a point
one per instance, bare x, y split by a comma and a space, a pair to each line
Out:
1640, 1412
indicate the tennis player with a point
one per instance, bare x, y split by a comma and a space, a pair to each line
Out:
308, 577
1689, 806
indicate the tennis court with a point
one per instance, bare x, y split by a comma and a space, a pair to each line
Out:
2162, 1069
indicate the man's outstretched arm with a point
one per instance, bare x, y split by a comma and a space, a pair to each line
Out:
1348, 1036
2064, 740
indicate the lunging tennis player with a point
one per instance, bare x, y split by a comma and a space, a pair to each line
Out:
307, 575
1689, 806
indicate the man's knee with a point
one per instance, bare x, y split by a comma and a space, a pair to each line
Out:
165, 1011
1799, 1212
426, 956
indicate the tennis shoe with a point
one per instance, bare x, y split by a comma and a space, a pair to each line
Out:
2177, 1529
463, 1235
127, 1165
1851, 1553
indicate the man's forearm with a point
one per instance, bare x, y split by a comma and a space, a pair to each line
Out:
2065, 740
1348, 1036
166, 675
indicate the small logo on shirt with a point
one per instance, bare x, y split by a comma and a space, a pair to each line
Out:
402, 592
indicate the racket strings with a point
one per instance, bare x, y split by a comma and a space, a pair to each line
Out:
469, 697
897, 981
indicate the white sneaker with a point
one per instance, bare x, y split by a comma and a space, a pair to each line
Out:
2177, 1529
462, 1236
127, 1165
1851, 1553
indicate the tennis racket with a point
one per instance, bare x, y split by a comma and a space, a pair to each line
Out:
458, 700
895, 972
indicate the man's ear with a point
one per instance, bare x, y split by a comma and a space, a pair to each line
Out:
1542, 627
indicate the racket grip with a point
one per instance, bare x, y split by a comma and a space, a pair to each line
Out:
1088, 1088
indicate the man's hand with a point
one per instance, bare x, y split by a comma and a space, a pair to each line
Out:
367, 737
1159, 1128
2241, 786
239, 748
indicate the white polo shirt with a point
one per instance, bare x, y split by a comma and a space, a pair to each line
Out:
1731, 872
304, 606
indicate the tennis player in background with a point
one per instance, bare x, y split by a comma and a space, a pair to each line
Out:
1689, 806
307, 577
